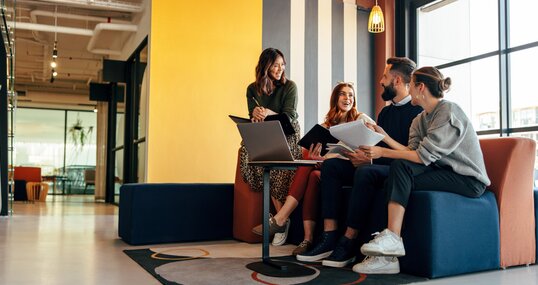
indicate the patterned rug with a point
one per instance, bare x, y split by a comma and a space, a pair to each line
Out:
226, 264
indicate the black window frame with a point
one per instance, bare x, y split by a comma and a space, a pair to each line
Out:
407, 45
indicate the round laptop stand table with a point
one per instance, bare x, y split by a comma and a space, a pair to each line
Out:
267, 266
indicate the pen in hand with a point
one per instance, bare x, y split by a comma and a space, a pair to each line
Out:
256, 101
260, 117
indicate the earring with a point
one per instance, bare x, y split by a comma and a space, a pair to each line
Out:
423, 97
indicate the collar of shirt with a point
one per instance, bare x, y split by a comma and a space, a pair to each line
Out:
403, 101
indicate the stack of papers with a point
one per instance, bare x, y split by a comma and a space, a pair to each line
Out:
352, 135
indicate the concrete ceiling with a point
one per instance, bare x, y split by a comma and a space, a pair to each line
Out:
86, 32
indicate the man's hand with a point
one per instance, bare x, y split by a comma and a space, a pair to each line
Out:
357, 158
372, 152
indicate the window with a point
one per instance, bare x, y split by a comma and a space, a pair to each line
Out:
472, 30
489, 50
40, 139
60, 142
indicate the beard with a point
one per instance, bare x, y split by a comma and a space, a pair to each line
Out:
388, 92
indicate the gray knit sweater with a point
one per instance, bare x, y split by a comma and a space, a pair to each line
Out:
446, 137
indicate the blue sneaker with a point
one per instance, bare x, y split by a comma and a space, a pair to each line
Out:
342, 255
323, 248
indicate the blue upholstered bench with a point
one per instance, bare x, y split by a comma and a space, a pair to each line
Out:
448, 234
159, 213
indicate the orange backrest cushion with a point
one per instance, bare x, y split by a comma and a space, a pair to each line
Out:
510, 166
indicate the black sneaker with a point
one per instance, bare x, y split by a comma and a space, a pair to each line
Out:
323, 248
342, 255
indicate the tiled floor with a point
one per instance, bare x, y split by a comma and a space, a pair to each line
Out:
71, 240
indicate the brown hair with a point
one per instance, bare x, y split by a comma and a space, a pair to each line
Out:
403, 66
335, 115
264, 84
433, 79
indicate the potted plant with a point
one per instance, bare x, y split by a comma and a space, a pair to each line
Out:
79, 134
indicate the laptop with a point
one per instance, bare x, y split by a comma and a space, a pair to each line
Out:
266, 143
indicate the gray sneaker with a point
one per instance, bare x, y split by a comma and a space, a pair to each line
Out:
273, 227
280, 237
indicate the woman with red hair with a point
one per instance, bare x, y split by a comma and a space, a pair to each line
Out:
305, 185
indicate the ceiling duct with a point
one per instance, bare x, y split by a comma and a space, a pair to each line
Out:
110, 5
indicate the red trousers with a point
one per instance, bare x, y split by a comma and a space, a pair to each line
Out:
305, 186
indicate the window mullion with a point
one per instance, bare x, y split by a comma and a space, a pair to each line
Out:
504, 66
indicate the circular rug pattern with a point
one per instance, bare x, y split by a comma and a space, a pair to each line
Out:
222, 271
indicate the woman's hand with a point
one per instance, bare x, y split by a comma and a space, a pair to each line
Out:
377, 129
372, 152
314, 153
259, 114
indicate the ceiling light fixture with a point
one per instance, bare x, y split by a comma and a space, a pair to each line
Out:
376, 21
53, 63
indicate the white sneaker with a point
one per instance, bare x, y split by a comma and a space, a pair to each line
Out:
280, 238
378, 265
385, 243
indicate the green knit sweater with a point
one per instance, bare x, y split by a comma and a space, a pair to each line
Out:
282, 100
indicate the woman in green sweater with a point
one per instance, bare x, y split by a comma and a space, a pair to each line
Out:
443, 154
272, 93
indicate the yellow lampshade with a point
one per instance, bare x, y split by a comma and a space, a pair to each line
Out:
376, 21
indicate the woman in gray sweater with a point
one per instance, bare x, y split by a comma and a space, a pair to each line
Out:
443, 154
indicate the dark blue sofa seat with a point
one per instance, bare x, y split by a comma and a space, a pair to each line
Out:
159, 213
444, 234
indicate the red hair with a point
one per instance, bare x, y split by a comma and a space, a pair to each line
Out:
335, 115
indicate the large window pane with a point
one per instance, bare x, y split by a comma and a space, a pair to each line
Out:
475, 87
81, 148
455, 31
524, 96
523, 21
39, 139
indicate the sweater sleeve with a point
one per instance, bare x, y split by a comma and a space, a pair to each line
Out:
414, 134
289, 100
443, 136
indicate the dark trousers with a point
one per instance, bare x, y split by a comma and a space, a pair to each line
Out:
335, 173
406, 176
368, 183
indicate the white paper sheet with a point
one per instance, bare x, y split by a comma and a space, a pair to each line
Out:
355, 134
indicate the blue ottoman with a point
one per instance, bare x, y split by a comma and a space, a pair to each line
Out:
448, 234
159, 213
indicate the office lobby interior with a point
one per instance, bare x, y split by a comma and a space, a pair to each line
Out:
119, 163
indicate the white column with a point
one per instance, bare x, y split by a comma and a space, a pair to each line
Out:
350, 41
324, 56
297, 51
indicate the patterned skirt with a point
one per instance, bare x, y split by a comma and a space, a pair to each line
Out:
279, 180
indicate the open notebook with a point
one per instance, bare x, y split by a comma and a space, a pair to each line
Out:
265, 142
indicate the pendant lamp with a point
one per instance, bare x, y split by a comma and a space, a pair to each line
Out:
376, 21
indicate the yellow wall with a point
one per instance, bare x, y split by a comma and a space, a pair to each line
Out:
202, 57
